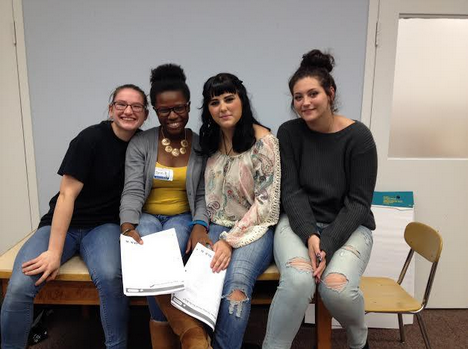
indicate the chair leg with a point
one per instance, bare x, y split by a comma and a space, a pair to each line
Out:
423, 330
402, 329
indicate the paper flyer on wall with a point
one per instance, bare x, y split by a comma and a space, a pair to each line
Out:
203, 288
153, 268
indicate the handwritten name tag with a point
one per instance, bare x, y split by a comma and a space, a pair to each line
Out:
163, 174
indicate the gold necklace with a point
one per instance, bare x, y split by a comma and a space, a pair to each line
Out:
166, 142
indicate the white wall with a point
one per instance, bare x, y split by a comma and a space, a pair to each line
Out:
78, 51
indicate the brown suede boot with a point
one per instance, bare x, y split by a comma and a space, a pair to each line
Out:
191, 332
162, 336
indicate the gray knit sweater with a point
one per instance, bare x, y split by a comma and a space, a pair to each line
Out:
327, 178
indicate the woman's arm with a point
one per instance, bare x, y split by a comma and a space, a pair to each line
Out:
200, 212
265, 209
293, 197
357, 203
199, 230
48, 262
133, 194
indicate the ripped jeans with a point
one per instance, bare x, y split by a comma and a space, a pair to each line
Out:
247, 263
296, 289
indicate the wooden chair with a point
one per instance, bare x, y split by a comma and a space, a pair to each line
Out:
384, 295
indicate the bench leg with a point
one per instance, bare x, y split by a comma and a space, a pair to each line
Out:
322, 324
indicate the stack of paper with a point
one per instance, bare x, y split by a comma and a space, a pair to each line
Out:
153, 268
203, 288
156, 268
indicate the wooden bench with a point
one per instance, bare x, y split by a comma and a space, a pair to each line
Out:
73, 286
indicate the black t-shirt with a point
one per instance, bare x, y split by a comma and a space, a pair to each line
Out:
96, 157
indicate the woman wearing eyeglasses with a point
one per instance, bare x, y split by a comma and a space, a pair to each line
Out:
83, 218
164, 189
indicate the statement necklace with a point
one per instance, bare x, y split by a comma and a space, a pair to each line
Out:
166, 142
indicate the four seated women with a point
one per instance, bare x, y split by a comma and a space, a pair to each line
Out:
222, 189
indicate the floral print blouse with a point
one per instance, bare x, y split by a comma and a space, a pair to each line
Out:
243, 191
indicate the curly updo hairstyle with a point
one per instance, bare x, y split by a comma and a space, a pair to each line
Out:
168, 77
318, 65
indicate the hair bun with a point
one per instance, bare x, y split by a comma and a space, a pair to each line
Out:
167, 72
318, 59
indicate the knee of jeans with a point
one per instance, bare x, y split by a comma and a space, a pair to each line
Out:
148, 225
237, 299
22, 288
335, 288
297, 277
335, 282
107, 278
110, 226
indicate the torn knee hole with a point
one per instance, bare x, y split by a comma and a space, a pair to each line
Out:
237, 295
335, 281
236, 299
300, 264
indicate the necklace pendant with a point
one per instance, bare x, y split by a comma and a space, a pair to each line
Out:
168, 148
175, 152
166, 141
184, 143
182, 151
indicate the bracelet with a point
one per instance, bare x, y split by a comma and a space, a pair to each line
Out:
200, 222
126, 231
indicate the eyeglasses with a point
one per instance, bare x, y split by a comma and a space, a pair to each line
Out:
178, 109
136, 107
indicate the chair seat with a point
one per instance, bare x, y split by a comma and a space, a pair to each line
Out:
384, 295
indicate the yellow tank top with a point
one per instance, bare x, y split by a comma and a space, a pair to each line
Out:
168, 195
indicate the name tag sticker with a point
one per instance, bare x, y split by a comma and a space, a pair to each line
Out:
163, 174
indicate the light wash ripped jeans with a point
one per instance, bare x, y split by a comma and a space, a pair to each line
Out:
296, 288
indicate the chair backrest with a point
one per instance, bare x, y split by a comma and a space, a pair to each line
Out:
428, 243
424, 240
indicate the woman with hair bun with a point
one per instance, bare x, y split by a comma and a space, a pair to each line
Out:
164, 189
323, 238
242, 179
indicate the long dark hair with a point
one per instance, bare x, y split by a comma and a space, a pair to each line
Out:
318, 65
210, 133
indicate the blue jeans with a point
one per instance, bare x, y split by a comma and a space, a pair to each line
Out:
247, 263
100, 249
296, 288
150, 224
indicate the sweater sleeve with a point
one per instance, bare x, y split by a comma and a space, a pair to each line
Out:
133, 195
293, 197
200, 212
265, 210
357, 202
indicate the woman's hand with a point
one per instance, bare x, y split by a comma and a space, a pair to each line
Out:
47, 263
129, 230
317, 257
222, 256
199, 234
